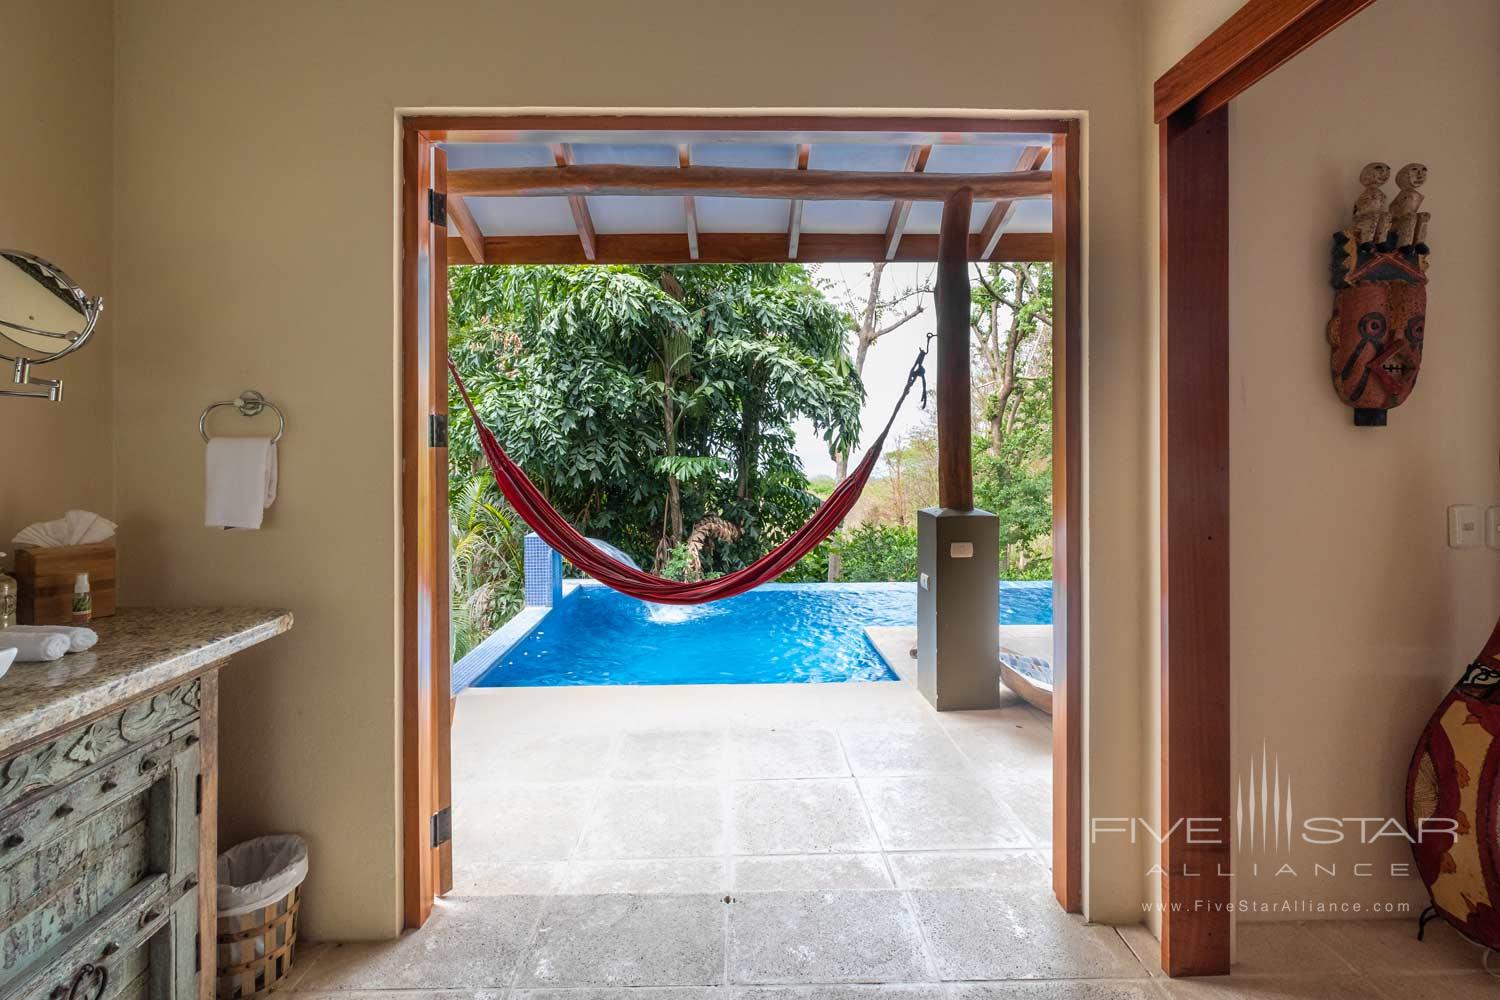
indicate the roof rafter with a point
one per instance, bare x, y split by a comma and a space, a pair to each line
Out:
744, 182
468, 229
1032, 158
562, 152
794, 214
916, 162
689, 206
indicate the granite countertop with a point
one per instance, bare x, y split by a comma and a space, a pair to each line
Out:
140, 650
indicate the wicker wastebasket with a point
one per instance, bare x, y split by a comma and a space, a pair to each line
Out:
260, 890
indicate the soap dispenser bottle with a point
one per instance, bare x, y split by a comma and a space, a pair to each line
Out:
83, 601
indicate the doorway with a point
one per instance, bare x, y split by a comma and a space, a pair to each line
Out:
432, 239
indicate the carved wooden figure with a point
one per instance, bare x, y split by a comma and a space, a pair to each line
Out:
1371, 220
1407, 220
1378, 328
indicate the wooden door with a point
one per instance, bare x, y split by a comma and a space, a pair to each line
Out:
427, 666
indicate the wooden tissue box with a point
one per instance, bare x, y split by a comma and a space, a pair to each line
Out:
44, 578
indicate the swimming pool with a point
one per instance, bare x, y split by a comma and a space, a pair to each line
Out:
776, 634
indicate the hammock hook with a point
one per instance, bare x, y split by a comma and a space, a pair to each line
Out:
919, 371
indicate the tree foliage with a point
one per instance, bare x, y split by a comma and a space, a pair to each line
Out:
644, 399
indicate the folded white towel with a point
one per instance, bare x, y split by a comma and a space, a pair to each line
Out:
34, 647
241, 481
79, 638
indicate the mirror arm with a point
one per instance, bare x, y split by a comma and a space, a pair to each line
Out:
32, 386
70, 336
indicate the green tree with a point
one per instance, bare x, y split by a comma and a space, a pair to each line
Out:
486, 568
1011, 326
644, 400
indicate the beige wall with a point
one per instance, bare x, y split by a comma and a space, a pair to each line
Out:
1350, 616
254, 247
56, 112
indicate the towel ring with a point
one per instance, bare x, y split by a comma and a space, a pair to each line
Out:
249, 404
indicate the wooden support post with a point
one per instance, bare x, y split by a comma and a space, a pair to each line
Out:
1067, 518
1195, 685
954, 417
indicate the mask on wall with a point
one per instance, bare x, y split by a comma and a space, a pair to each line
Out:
1380, 295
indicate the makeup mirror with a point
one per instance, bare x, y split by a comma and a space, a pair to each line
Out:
44, 316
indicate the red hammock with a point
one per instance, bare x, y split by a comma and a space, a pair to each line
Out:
578, 550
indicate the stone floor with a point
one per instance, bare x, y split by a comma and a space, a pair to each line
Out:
795, 842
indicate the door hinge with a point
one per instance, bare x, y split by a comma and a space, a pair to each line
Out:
198, 797
442, 826
437, 208
437, 430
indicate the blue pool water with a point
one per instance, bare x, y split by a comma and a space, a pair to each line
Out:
776, 634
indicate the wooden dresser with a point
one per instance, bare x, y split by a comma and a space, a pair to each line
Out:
108, 819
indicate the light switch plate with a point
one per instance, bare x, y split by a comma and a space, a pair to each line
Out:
1463, 526
1492, 528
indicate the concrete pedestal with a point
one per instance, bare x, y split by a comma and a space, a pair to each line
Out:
958, 558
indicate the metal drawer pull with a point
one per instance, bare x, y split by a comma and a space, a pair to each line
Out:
111, 948
191, 882
148, 764
89, 983
109, 785
14, 840
190, 741
63, 810
149, 916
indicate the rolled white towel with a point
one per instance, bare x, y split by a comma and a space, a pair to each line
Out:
34, 647
79, 638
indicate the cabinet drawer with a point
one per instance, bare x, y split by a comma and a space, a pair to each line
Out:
49, 813
64, 757
69, 853
103, 956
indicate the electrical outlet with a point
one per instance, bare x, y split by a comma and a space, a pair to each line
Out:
1492, 528
1463, 526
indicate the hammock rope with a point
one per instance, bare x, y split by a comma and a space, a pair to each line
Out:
554, 529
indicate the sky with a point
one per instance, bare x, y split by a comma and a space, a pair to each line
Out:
886, 366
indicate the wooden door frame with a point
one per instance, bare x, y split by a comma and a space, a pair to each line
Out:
424, 663
1192, 114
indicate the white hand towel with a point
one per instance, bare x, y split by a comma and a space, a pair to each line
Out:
79, 638
34, 647
241, 481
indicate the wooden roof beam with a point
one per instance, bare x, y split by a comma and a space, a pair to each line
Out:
563, 154
1032, 158
689, 206
1255, 39
743, 182
916, 162
794, 215
739, 248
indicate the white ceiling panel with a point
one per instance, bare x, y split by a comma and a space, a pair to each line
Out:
478, 155
654, 155
1031, 216
845, 216
521, 216
733, 154
742, 215
639, 214
842, 156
